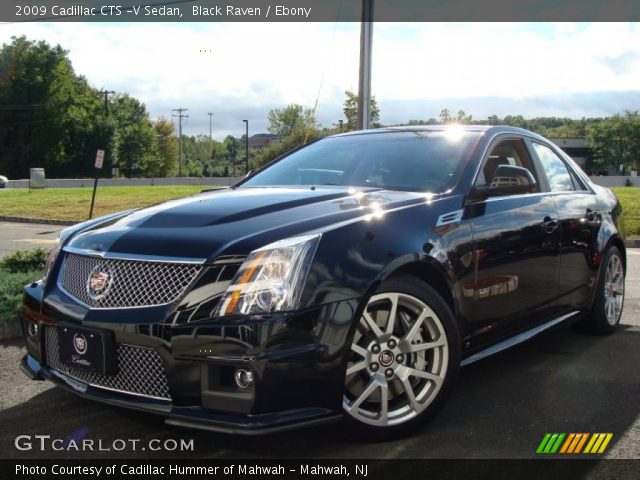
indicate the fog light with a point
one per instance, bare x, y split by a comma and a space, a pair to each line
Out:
32, 329
244, 378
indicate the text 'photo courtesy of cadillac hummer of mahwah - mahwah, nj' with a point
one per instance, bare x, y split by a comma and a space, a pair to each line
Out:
348, 280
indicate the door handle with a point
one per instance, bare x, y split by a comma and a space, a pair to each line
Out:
550, 224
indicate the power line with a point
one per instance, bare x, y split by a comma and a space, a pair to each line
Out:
180, 117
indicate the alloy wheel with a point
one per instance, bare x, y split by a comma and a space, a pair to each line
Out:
398, 360
613, 289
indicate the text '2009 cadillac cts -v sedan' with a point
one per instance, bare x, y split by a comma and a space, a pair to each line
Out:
350, 279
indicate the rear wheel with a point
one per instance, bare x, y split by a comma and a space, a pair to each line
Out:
607, 308
403, 360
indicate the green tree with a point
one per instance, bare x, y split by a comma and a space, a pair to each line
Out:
167, 147
285, 121
463, 118
50, 117
616, 140
135, 138
350, 110
294, 126
445, 116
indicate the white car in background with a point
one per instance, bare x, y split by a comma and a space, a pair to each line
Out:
4, 181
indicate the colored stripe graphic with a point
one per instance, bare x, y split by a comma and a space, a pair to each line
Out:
581, 443
573, 443
591, 443
550, 443
606, 442
543, 443
567, 443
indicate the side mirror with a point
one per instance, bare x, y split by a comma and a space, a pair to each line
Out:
507, 180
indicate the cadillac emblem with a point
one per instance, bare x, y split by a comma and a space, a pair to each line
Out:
80, 344
99, 282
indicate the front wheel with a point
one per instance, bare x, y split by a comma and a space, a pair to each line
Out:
403, 361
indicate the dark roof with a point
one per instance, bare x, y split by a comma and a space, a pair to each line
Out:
265, 135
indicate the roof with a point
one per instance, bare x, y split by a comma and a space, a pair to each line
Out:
434, 128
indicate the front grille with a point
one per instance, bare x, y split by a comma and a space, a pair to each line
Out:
133, 283
140, 369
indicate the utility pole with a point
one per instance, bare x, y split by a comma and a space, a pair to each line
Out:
364, 84
210, 117
105, 94
246, 147
180, 117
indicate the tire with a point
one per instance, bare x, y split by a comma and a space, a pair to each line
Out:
605, 315
392, 365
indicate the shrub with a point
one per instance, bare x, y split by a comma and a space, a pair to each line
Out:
25, 260
11, 284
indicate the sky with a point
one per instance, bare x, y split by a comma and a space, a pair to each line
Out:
243, 70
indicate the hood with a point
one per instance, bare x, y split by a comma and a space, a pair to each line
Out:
236, 221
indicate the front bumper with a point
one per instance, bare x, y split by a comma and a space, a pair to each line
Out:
297, 360
187, 417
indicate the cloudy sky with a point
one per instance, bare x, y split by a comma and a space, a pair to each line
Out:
242, 70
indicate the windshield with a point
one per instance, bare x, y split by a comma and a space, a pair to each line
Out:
426, 161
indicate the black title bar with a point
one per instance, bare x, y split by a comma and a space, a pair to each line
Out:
568, 469
317, 10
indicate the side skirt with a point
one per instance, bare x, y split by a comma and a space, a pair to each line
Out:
510, 342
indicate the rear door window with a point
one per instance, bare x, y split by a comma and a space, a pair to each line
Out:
554, 169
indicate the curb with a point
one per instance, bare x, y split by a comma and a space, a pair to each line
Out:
4, 218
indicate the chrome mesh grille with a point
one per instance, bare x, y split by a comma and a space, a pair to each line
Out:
140, 369
134, 283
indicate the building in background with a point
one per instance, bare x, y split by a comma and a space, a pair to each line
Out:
261, 140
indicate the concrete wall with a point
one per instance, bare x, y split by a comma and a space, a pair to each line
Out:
615, 180
113, 182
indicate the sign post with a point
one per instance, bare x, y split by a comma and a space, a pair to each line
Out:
98, 165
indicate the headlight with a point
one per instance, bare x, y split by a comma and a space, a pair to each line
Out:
51, 259
271, 278
55, 251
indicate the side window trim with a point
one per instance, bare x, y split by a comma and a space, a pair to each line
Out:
577, 177
542, 175
498, 139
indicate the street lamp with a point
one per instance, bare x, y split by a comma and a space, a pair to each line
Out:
210, 117
246, 147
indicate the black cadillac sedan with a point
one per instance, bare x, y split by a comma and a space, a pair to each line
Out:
349, 280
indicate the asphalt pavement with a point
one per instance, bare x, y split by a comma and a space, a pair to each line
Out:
501, 407
17, 236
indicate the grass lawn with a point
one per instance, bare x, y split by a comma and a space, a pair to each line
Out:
74, 203
630, 199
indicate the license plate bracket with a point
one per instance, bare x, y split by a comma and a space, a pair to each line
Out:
86, 348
